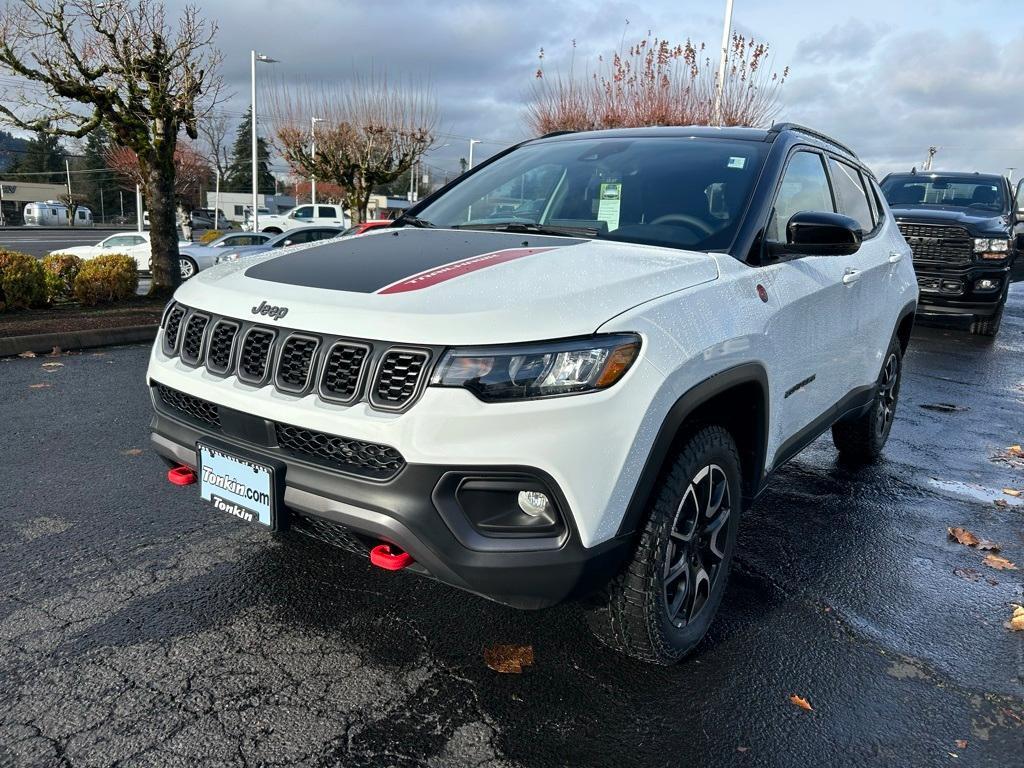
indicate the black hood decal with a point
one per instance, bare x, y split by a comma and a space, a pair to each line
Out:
370, 263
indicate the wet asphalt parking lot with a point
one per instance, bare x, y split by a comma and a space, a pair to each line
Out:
139, 626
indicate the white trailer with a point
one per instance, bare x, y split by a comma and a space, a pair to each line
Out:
53, 213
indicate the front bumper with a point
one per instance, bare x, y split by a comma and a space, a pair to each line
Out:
415, 510
954, 292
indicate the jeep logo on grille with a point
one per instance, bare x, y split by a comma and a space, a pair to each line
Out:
276, 313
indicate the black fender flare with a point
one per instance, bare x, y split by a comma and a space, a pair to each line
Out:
681, 410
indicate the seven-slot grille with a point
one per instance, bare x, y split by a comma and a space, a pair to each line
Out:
220, 353
930, 242
398, 378
295, 363
339, 370
343, 372
192, 338
379, 462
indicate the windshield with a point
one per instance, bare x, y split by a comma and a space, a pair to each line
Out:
668, 191
984, 193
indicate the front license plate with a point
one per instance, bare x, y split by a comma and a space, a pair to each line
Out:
237, 486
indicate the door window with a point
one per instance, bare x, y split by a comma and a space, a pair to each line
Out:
328, 212
305, 212
804, 188
851, 194
118, 241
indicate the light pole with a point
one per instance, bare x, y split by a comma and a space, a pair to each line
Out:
471, 143
255, 154
720, 82
312, 154
216, 201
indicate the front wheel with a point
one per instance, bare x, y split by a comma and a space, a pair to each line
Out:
862, 439
188, 267
660, 606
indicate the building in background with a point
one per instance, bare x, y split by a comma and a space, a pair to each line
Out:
15, 195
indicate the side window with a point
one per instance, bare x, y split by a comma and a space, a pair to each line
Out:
804, 188
328, 212
239, 210
322, 234
851, 195
305, 212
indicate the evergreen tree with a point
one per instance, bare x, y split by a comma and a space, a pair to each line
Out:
96, 175
239, 176
11, 150
43, 155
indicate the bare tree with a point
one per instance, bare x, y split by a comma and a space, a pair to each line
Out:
124, 63
371, 133
216, 141
656, 83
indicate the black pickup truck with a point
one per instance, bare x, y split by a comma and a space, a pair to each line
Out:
963, 230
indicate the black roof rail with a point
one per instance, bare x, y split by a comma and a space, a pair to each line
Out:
779, 127
555, 133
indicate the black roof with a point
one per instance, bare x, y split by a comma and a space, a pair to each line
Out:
800, 132
966, 175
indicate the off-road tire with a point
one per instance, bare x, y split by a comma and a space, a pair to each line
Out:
632, 614
987, 326
862, 439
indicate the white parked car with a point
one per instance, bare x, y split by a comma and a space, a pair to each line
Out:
134, 244
576, 398
303, 216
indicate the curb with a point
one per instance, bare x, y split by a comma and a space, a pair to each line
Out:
97, 337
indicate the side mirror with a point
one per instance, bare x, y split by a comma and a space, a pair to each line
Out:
820, 233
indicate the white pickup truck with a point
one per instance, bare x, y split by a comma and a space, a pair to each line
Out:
302, 216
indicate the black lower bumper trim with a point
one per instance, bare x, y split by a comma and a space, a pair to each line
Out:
352, 513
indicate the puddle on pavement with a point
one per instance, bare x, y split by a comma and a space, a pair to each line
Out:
975, 492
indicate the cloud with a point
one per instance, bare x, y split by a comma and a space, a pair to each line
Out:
853, 39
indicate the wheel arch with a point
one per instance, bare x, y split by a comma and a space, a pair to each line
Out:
736, 399
905, 325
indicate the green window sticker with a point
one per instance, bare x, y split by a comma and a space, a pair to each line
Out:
608, 204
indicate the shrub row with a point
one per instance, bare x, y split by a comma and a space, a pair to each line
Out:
27, 282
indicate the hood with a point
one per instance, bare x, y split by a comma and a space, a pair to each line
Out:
976, 221
435, 286
81, 251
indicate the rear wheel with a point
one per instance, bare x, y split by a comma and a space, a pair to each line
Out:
987, 326
863, 438
660, 606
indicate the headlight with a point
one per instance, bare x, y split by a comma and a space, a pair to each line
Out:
545, 369
981, 244
226, 257
999, 246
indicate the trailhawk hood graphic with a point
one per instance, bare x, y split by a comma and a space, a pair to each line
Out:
433, 286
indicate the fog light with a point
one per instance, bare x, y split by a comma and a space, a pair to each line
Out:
535, 503
986, 284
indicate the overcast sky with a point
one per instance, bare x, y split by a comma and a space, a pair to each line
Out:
889, 77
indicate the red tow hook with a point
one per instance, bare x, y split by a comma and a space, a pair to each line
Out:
390, 558
181, 475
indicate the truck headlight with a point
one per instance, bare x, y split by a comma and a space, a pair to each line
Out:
981, 244
544, 369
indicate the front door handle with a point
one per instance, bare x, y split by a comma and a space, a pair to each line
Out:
851, 276
894, 257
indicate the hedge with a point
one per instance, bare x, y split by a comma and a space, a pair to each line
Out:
107, 278
60, 269
22, 281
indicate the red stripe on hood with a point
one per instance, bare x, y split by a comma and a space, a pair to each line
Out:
457, 268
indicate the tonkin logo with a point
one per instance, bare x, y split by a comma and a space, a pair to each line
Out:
273, 312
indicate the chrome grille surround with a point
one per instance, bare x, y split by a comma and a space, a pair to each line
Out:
399, 378
296, 363
257, 355
193, 338
172, 327
221, 348
344, 372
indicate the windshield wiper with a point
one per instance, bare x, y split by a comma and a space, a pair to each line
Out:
413, 221
533, 229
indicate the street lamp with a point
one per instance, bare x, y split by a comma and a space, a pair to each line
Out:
255, 156
717, 117
471, 143
312, 154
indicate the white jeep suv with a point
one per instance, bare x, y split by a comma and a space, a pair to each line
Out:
564, 375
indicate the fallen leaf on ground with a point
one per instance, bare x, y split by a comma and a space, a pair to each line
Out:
508, 659
27, 354
1015, 450
1012, 492
1001, 503
1016, 622
944, 407
742, 749
39, 386
51, 366
973, 575
55, 352
968, 539
999, 563
961, 743
801, 702
132, 452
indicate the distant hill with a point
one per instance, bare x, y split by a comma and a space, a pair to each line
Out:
11, 148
